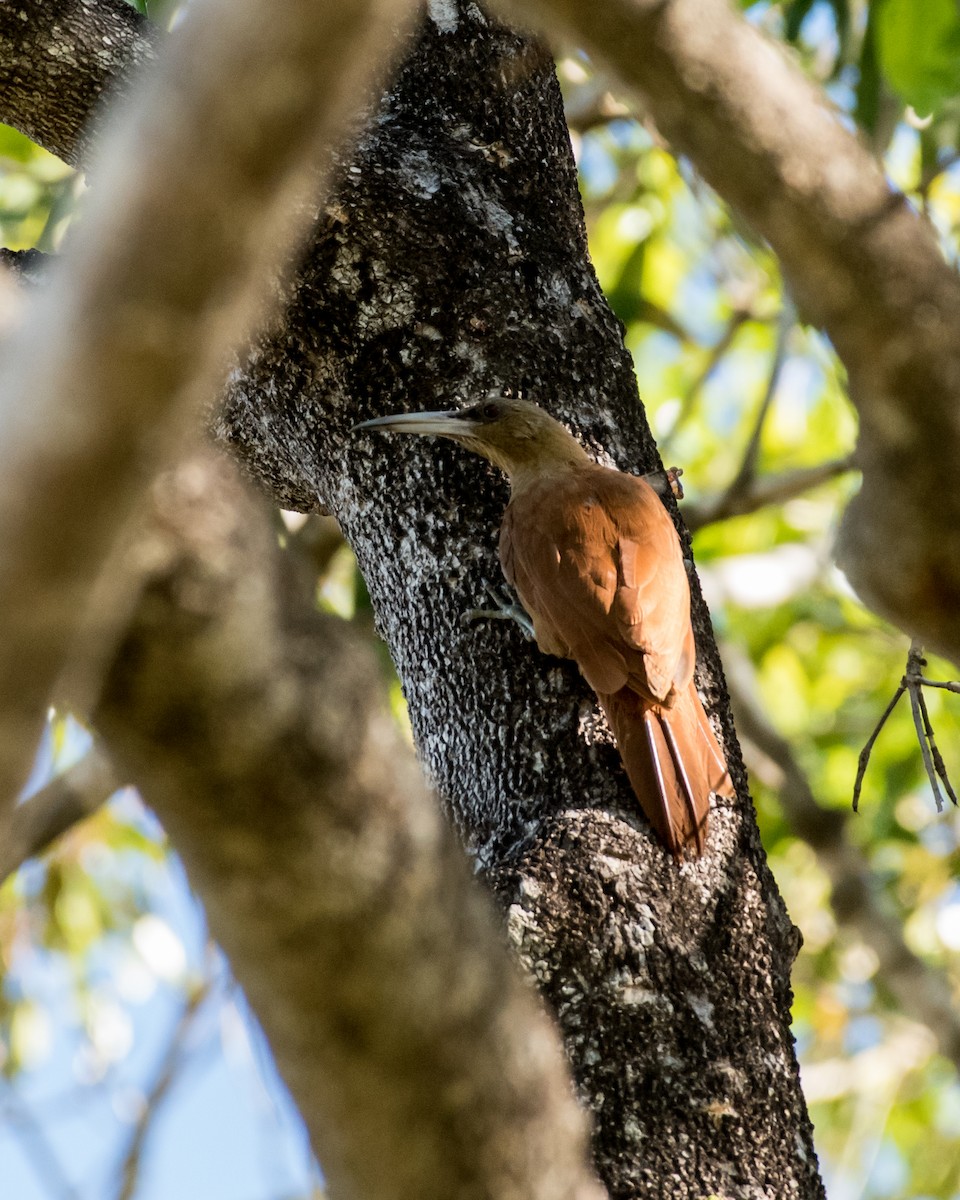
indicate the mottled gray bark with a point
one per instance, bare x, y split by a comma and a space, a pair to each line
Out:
60, 59
452, 261
861, 262
256, 728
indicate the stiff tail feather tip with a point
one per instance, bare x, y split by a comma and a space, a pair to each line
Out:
673, 762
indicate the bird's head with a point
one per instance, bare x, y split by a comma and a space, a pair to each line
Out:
515, 435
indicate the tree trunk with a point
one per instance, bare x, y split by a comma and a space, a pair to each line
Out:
453, 261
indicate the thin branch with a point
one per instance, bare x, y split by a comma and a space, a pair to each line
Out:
761, 493
913, 682
925, 749
172, 1063
948, 685
867, 750
55, 808
748, 465
939, 766
738, 318
923, 992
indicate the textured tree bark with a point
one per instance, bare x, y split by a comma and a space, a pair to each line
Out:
58, 63
452, 261
861, 262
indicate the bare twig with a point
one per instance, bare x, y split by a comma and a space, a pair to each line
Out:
738, 317
922, 991
748, 466
775, 489
35, 1143
868, 747
172, 1063
55, 808
913, 682
948, 685
740, 486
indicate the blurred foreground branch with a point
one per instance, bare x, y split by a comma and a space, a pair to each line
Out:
255, 728
161, 279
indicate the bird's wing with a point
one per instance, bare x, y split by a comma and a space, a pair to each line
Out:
652, 604
597, 564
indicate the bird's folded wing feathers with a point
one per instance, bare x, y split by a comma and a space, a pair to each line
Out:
597, 563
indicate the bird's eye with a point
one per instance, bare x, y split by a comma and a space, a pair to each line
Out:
489, 411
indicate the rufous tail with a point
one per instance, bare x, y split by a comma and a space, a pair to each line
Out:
673, 763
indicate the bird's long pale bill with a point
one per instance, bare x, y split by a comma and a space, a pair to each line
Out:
441, 424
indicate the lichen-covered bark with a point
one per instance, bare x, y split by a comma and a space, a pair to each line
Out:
861, 262
453, 261
59, 59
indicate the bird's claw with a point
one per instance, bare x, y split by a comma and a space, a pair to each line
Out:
505, 609
666, 480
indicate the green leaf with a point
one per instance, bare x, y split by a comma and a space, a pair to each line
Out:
918, 44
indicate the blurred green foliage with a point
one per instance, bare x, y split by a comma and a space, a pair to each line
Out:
918, 42
713, 336
37, 192
711, 330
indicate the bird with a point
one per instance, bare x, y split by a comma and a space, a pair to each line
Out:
597, 564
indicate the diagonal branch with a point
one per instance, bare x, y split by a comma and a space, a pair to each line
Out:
763, 492
738, 318
60, 59
59, 805
159, 282
171, 1064
418, 1057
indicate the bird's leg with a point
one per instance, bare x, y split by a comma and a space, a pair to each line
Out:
505, 609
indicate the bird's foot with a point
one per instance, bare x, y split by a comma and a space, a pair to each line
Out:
666, 480
506, 609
